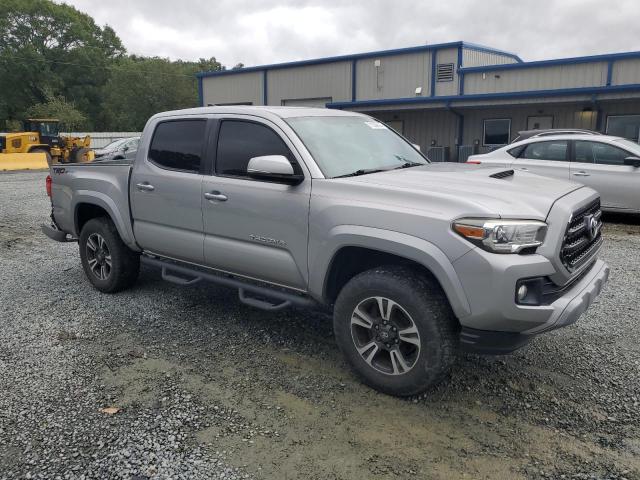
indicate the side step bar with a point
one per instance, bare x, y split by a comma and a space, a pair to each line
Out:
270, 298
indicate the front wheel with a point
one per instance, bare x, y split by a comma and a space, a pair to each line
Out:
396, 330
108, 263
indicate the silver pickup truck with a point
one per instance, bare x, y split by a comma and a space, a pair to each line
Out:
329, 209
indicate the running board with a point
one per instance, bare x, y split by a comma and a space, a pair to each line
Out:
269, 298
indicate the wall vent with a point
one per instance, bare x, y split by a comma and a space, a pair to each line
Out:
444, 72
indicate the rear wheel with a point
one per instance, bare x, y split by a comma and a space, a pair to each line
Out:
108, 263
46, 152
396, 330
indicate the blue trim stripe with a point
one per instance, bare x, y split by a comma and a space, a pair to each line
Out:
200, 93
265, 89
356, 56
354, 72
460, 73
434, 61
609, 72
489, 96
610, 57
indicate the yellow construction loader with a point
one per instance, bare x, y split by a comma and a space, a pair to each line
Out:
40, 145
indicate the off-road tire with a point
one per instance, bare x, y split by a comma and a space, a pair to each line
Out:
125, 263
423, 299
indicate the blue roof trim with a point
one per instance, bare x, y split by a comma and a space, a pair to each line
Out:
609, 57
488, 96
355, 56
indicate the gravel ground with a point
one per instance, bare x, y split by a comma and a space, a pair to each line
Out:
209, 388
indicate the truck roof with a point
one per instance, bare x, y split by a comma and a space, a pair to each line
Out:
282, 112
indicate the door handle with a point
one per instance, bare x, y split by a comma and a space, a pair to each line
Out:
582, 174
220, 197
145, 187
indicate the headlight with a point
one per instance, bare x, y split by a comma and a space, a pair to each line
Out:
502, 236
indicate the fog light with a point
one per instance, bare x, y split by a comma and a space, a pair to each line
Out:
522, 292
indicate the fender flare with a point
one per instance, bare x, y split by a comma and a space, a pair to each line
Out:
123, 225
406, 246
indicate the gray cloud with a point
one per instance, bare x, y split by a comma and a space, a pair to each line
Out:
258, 32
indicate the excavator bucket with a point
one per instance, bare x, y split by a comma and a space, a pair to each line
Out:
23, 161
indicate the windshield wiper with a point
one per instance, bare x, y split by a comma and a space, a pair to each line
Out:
362, 171
408, 164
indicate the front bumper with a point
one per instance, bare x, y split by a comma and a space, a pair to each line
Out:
562, 312
489, 281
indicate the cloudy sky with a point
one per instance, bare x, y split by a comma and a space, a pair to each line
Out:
257, 32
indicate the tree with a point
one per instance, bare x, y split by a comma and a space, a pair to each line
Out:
52, 49
58, 107
140, 87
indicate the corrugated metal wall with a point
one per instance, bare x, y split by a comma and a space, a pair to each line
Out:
311, 81
476, 58
424, 126
564, 116
397, 76
542, 78
626, 71
234, 88
449, 55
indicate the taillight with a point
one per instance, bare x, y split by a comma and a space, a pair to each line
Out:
474, 162
48, 183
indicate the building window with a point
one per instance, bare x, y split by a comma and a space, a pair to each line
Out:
626, 126
497, 131
444, 72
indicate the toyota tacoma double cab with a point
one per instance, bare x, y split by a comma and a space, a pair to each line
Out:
318, 208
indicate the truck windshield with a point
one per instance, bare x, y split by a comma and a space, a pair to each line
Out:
343, 146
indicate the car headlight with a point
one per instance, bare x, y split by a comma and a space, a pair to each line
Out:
502, 236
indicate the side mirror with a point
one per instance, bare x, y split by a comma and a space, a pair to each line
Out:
632, 161
274, 168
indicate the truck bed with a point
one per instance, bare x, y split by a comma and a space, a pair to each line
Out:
105, 184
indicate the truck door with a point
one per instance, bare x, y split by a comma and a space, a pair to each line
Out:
254, 228
166, 190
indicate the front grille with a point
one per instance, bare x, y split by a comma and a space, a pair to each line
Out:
583, 236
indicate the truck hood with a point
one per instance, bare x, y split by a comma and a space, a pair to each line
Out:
495, 191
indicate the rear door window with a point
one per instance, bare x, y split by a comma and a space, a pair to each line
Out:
178, 145
550, 150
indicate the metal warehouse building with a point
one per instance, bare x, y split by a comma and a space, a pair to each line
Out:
452, 99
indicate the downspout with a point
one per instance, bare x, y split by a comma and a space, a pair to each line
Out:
460, 121
200, 93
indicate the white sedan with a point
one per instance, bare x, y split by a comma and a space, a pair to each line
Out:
610, 165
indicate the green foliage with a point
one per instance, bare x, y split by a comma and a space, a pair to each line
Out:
54, 58
57, 107
139, 87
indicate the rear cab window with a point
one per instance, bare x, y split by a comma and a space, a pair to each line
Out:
178, 145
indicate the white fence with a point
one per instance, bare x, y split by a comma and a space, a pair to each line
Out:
101, 139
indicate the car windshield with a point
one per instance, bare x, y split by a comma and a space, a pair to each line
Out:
354, 145
115, 144
629, 145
